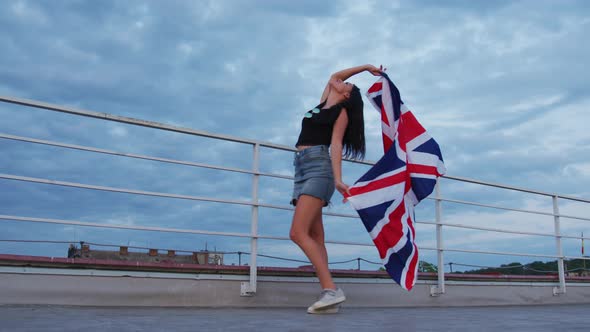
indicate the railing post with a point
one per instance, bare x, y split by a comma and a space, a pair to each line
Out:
440, 287
249, 288
561, 288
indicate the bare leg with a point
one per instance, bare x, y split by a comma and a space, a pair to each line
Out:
308, 212
317, 233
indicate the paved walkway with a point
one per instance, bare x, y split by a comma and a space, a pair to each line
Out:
523, 318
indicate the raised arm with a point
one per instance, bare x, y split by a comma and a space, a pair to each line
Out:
346, 74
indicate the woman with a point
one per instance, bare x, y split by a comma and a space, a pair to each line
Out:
335, 124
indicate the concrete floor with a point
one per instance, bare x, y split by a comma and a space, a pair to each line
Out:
507, 318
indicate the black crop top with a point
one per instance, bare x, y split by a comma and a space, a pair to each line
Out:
317, 125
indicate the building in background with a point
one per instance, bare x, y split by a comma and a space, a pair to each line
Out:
204, 257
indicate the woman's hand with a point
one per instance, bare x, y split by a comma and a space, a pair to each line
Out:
375, 71
342, 189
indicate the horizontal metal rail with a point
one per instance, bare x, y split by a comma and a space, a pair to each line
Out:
93, 244
491, 206
38, 241
242, 235
197, 198
161, 229
236, 202
499, 207
530, 191
19, 178
576, 257
503, 253
155, 194
246, 235
244, 171
498, 230
138, 156
151, 124
136, 122
148, 124
118, 226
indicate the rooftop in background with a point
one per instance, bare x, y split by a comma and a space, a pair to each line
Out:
153, 255
191, 268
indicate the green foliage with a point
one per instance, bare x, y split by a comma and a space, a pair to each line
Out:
516, 268
534, 268
427, 267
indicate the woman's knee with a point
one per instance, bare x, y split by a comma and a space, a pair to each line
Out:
293, 235
307, 210
296, 235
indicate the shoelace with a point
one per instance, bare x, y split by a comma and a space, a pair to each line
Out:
325, 291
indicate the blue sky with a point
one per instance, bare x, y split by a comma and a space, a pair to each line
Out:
501, 85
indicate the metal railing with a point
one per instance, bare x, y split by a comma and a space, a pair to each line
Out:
249, 288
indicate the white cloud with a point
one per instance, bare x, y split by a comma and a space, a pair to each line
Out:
535, 103
121, 220
559, 129
118, 132
64, 49
231, 67
577, 169
360, 7
190, 48
29, 12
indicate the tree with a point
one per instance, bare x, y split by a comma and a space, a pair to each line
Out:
427, 267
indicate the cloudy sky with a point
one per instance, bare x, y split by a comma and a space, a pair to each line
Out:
501, 85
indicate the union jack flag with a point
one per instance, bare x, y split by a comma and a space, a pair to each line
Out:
385, 196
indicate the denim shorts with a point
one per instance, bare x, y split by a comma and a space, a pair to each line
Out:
313, 174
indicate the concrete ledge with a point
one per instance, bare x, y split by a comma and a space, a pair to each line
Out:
171, 268
70, 287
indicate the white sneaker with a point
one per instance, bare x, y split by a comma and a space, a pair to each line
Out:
328, 298
323, 311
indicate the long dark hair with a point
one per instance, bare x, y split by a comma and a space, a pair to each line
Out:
354, 136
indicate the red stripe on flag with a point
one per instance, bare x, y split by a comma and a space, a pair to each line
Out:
391, 233
411, 127
378, 184
411, 268
387, 142
411, 275
422, 169
376, 87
